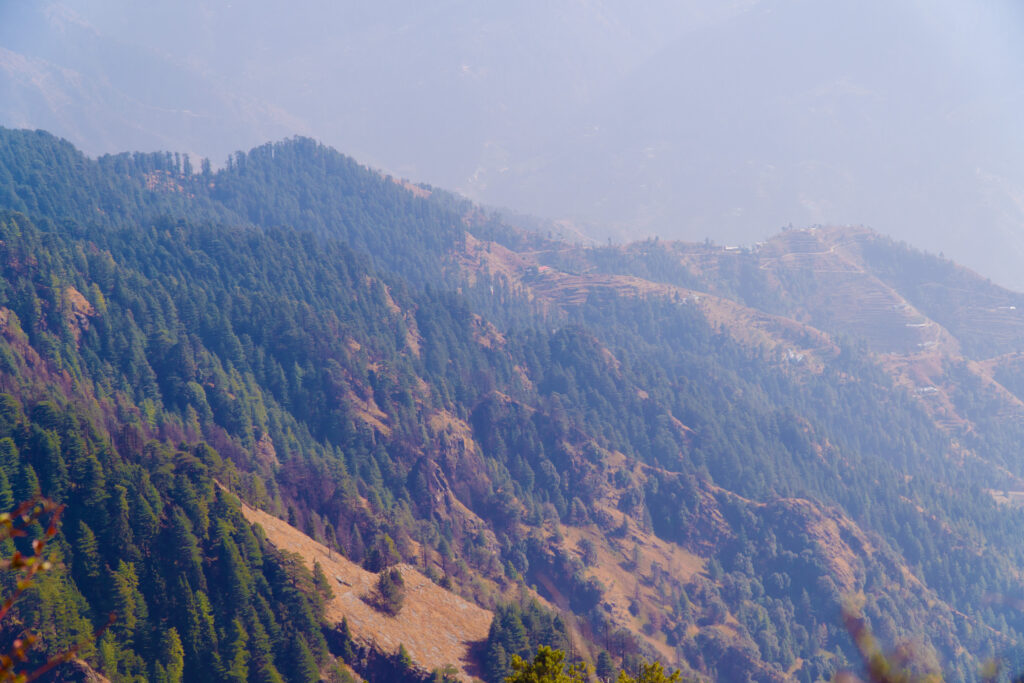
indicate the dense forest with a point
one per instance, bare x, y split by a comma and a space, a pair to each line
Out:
321, 341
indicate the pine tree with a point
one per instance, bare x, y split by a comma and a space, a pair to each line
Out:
120, 533
356, 548
10, 415
237, 653
87, 566
496, 664
260, 649
184, 549
237, 580
322, 583
6, 493
650, 672
172, 655
44, 450
127, 601
347, 650
390, 591
26, 483
90, 482
513, 636
268, 673
548, 666
145, 520
304, 668
202, 658
110, 654
605, 668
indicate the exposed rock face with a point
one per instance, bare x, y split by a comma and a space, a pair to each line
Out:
78, 311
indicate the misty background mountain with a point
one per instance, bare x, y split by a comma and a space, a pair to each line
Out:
687, 120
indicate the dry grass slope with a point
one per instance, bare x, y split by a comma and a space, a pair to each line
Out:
436, 626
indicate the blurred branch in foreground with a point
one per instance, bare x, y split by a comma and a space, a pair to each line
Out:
15, 525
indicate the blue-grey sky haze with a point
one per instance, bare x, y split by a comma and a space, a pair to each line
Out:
686, 119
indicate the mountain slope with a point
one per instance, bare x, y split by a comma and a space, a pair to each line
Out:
677, 445
436, 627
921, 315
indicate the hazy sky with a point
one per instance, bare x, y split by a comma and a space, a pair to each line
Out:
684, 119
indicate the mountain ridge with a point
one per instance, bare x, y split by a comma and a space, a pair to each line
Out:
406, 378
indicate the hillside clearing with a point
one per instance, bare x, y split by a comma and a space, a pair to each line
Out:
436, 626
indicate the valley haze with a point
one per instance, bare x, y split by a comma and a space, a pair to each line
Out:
687, 120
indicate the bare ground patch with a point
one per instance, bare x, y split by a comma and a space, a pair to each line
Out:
436, 626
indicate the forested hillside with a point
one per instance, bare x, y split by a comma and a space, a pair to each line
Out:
666, 451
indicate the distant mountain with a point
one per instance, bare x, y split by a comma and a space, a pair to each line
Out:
686, 120
930, 323
683, 451
60, 73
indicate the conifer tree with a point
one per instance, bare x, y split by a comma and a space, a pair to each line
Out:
236, 578
6, 492
268, 673
90, 483
237, 653
548, 666
347, 650
88, 565
650, 672
184, 547
26, 483
390, 591
322, 583
202, 658
120, 533
127, 601
304, 668
496, 664
172, 655
605, 668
